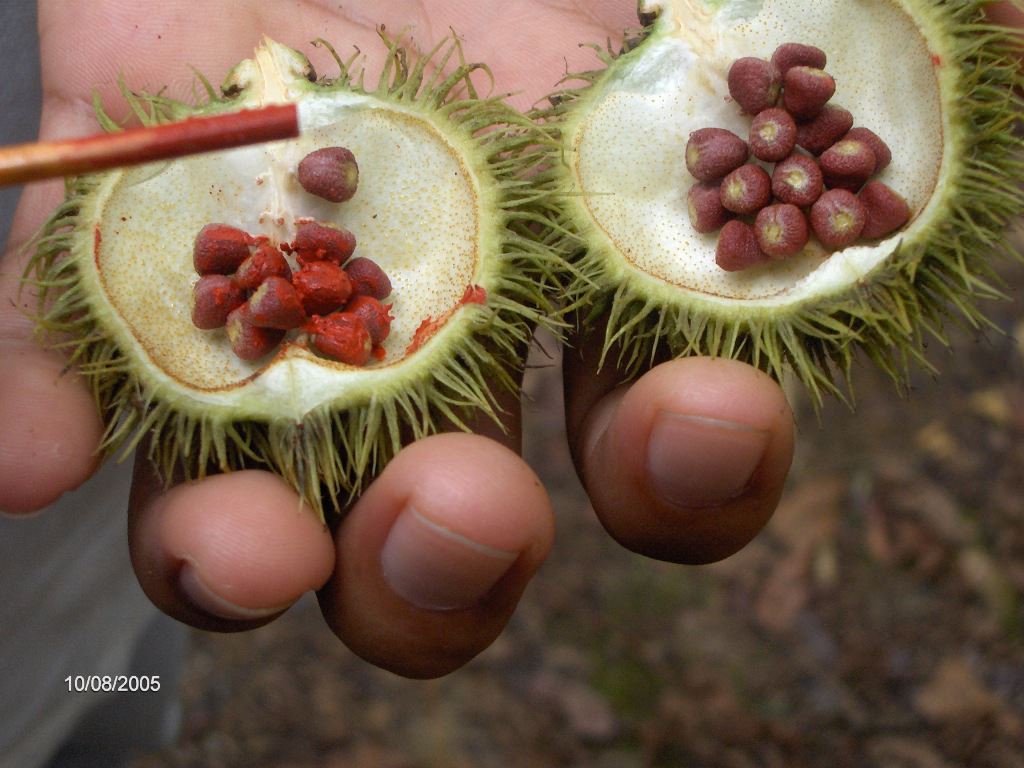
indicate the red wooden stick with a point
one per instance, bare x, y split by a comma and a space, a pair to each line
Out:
47, 159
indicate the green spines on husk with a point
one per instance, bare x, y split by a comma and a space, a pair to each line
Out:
891, 313
330, 453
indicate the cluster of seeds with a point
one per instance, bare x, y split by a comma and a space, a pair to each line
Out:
820, 182
247, 285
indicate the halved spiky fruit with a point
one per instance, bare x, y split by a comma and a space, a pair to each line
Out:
937, 82
442, 207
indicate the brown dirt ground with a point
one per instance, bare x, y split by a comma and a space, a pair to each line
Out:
878, 621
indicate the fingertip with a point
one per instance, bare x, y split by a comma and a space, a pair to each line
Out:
688, 463
230, 551
434, 557
52, 429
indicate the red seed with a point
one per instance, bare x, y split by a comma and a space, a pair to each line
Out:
375, 316
704, 203
847, 164
754, 84
368, 279
330, 173
886, 210
807, 91
838, 218
341, 336
711, 153
321, 242
772, 135
248, 341
825, 130
797, 180
214, 297
276, 304
781, 230
266, 262
883, 155
220, 248
747, 189
737, 247
789, 55
322, 287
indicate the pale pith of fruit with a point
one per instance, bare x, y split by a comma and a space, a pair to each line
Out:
930, 79
441, 213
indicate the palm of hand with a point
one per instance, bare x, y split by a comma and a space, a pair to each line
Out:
526, 44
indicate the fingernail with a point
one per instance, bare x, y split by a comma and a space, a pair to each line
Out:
696, 461
436, 568
198, 592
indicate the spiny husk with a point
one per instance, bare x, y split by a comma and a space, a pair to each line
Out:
330, 453
889, 315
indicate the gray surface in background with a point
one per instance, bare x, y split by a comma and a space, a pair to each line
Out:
20, 95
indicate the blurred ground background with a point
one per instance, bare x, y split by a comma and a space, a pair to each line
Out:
878, 621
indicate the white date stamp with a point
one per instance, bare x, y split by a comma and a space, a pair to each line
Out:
112, 683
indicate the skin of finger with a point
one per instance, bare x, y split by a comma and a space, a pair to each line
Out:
52, 428
246, 534
470, 485
610, 448
1006, 13
149, 39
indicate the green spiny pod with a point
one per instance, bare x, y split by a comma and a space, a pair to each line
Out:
950, 116
442, 206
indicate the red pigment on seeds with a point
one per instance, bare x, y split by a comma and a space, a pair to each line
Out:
266, 262
322, 286
341, 336
375, 316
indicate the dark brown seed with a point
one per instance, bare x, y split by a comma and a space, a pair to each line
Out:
214, 297
368, 279
711, 153
789, 55
276, 304
826, 129
322, 286
220, 248
746, 190
847, 164
737, 247
754, 84
883, 155
886, 210
248, 341
266, 262
797, 180
838, 218
772, 135
330, 173
781, 230
320, 242
704, 202
807, 91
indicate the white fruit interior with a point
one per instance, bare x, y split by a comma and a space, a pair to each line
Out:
636, 189
415, 213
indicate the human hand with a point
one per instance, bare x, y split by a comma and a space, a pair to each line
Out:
685, 464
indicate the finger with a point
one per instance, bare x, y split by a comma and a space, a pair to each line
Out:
687, 463
227, 553
434, 557
51, 426
1006, 13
